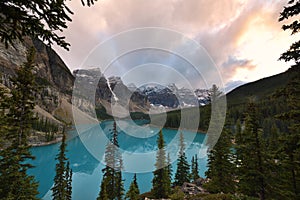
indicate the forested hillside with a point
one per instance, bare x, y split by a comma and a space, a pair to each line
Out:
267, 94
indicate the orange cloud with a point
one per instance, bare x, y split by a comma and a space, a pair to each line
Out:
227, 29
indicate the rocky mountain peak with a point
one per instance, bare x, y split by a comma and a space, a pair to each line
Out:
52, 75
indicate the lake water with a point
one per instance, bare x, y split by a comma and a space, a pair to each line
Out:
87, 168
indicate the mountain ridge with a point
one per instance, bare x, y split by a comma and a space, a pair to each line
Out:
57, 81
260, 88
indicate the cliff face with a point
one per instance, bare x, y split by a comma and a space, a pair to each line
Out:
52, 75
56, 82
50, 69
108, 92
53, 68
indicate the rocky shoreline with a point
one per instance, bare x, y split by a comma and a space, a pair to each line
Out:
40, 144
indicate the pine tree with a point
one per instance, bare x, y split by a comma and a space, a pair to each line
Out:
215, 106
69, 173
62, 188
238, 130
133, 192
182, 173
108, 180
220, 166
36, 18
273, 138
4, 99
160, 182
239, 141
169, 171
15, 183
119, 182
103, 195
194, 168
112, 180
290, 148
292, 54
255, 161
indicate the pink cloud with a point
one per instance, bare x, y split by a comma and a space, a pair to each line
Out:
217, 25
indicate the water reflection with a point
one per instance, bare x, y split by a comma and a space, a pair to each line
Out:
87, 173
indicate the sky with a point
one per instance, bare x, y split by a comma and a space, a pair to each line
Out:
243, 37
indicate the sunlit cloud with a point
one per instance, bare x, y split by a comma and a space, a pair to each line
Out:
244, 38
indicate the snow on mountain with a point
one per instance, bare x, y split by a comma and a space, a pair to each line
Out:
132, 87
160, 97
149, 88
113, 80
170, 96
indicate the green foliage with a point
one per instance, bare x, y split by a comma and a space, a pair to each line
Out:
28, 18
288, 12
103, 190
266, 153
174, 119
261, 161
221, 197
88, 2
215, 93
102, 114
36, 18
276, 100
133, 192
161, 187
289, 151
112, 182
42, 82
289, 147
62, 188
46, 126
183, 168
139, 116
69, 174
15, 183
177, 194
169, 170
260, 89
255, 161
194, 168
4, 105
221, 166
119, 183
216, 97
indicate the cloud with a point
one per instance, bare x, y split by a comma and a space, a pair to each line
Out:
231, 31
233, 65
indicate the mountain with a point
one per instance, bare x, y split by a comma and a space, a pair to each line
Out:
112, 92
202, 96
231, 85
56, 87
259, 89
172, 97
54, 78
159, 95
108, 92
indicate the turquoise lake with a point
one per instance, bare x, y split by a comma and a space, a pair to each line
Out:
86, 168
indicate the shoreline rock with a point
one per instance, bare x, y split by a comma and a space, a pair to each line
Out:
40, 144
